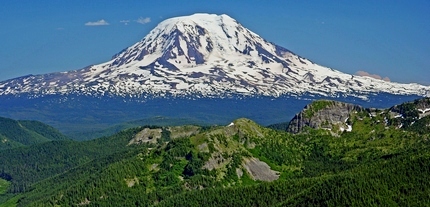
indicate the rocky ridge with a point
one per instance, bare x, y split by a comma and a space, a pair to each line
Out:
323, 114
339, 117
226, 147
411, 113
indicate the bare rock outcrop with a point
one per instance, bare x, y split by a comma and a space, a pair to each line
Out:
183, 131
147, 135
259, 170
322, 114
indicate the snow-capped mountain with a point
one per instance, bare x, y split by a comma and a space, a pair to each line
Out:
205, 55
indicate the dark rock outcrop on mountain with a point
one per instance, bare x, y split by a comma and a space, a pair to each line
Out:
322, 114
414, 115
414, 110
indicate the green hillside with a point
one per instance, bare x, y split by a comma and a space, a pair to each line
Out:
376, 163
24, 133
28, 165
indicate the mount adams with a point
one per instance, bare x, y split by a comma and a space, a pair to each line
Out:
204, 55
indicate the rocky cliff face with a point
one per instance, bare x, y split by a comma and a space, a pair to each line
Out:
411, 113
323, 114
416, 109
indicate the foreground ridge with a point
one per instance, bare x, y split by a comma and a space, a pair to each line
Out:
238, 164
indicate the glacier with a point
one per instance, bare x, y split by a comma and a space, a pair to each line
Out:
205, 55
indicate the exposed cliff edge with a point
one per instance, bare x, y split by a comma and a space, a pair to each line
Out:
339, 117
323, 114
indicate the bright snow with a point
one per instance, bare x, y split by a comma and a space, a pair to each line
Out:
210, 55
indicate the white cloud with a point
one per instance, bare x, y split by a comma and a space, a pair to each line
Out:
101, 22
142, 20
125, 22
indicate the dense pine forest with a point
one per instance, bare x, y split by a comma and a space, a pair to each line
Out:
382, 161
15, 133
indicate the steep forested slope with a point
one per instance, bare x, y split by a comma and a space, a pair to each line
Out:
27, 165
376, 162
24, 133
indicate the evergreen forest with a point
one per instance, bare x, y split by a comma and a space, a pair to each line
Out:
383, 161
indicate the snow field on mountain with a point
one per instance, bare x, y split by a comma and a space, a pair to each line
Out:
206, 55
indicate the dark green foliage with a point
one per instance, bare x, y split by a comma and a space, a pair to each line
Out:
235, 163
317, 106
165, 135
4, 185
410, 115
43, 129
409, 112
399, 181
374, 165
15, 131
24, 133
6, 143
195, 163
281, 149
407, 109
279, 126
263, 194
123, 178
178, 147
25, 166
421, 126
349, 170
101, 174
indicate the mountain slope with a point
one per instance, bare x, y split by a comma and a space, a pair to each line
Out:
241, 163
338, 117
205, 55
162, 161
399, 181
413, 116
25, 166
24, 133
204, 68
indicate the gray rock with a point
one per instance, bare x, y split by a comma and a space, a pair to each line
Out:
259, 170
322, 114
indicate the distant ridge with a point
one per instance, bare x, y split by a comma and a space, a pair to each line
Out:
25, 133
338, 117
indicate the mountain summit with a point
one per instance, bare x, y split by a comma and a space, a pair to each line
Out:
205, 55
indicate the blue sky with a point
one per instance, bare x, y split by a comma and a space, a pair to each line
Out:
388, 38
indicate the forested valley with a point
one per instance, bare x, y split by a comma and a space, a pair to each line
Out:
382, 161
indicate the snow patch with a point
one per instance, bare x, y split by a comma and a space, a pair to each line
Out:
399, 116
234, 61
423, 111
349, 129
